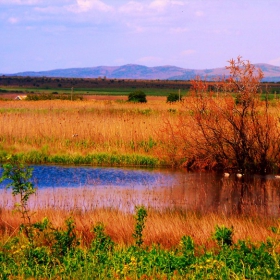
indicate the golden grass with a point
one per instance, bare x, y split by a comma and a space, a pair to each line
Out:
99, 125
165, 228
158, 129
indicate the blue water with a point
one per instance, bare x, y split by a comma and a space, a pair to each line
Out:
90, 187
46, 176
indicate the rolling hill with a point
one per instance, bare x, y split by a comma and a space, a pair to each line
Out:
133, 71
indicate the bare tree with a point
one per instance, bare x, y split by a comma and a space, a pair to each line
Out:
232, 126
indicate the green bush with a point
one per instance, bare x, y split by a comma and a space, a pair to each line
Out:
137, 96
223, 235
173, 97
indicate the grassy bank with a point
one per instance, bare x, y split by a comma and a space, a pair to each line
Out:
98, 159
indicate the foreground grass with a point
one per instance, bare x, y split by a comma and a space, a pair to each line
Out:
165, 227
60, 252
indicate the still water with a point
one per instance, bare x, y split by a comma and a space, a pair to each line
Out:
88, 188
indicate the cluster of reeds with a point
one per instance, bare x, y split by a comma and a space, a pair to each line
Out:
81, 128
162, 227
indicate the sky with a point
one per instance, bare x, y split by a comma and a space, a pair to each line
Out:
38, 35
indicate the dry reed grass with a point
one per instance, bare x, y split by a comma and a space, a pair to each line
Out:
164, 228
98, 125
158, 129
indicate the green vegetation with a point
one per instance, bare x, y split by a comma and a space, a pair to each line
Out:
173, 97
150, 91
61, 256
99, 159
137, 97
19, 177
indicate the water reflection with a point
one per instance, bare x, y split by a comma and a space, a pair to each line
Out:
88, 188
210, 192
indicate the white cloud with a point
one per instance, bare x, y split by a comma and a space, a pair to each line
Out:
132, 7
152, 8
48, 10
135, 28
199, 13
13, 20
82, 6
160, 5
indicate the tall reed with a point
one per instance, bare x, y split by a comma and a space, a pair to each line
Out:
83, 127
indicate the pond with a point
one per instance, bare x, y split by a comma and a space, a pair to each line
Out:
88, 188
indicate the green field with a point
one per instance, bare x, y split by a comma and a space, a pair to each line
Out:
89, 91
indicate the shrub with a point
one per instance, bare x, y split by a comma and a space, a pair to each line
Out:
141, 216
173, 97
137, 96
231, 127
223, 235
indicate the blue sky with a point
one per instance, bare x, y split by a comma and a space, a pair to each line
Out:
41, 35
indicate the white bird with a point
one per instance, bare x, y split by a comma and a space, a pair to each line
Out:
277, 176
239, 175
226, 174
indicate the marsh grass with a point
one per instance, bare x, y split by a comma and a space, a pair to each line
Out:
162, 227
90, 132
106, 132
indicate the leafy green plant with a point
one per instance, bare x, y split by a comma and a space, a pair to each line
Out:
65, 240
173, 97
141, 215
101, 240
223, 235
137, 96
103, 260
19, 177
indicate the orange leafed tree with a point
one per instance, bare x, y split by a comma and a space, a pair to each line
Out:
230, 126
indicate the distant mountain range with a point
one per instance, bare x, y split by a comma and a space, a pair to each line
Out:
133, 71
